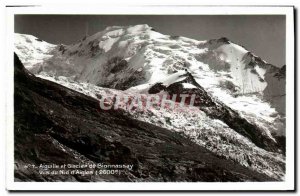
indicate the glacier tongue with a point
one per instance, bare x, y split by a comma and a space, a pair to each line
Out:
133, 60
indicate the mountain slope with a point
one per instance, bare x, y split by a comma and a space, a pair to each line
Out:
56, 125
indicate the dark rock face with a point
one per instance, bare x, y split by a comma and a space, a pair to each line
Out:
62, 48
118, 64
40, 40
134, 79
281, 74
156, 88
214, 43
94, 48
251, 60
56, 125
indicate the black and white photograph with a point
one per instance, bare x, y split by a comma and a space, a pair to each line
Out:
185, 98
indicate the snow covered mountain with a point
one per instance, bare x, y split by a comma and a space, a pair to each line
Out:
241, 98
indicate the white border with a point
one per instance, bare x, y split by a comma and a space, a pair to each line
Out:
288, 184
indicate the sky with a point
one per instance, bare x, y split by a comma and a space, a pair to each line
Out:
264, 35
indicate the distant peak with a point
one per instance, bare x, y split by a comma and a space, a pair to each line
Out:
223, 40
